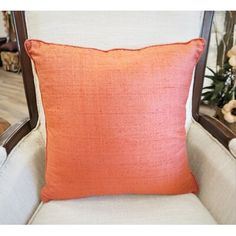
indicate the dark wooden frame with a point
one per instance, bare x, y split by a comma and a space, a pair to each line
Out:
211, 124
15, 133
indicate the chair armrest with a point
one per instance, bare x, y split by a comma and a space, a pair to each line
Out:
21, 179
215, 170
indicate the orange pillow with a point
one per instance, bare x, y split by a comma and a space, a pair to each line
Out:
115, 119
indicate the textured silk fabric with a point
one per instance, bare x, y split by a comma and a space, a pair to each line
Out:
115, 119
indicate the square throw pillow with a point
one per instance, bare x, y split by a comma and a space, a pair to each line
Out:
115, 119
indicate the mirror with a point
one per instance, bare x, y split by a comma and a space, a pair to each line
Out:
13, 105
219, 89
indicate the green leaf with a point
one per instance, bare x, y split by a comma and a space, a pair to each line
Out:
209, 87
212, 77
212, 71
206, 93
219, 86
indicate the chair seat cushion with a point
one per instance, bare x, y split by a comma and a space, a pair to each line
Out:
125, 209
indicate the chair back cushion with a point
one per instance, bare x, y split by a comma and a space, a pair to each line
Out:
114, 29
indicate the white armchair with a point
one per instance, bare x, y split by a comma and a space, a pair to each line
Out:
22, 171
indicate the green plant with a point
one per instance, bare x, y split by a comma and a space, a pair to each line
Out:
222, 88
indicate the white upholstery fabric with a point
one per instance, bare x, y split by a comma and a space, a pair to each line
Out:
3, 155
129, 209
215, 169
41, 127
232, 146
115, 29
21, 178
